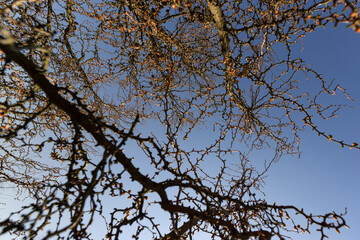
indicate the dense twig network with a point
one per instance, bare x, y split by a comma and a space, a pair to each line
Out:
81, 79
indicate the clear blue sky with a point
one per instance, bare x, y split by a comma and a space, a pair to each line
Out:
326, 177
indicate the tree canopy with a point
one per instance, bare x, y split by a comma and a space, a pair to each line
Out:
104, 100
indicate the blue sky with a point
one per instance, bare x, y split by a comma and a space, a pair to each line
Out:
326, 177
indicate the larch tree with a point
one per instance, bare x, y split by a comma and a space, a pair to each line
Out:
81, 80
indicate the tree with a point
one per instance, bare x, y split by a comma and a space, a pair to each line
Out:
81, 79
